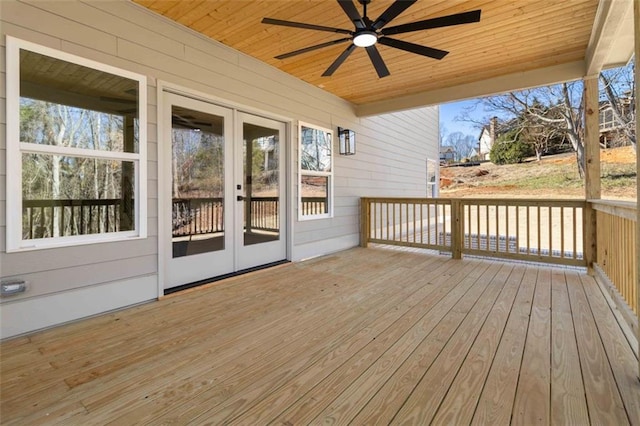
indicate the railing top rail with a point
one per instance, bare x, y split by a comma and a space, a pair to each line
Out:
408, 200
183, 200
625, 209
543, 202
71, 203
617, 203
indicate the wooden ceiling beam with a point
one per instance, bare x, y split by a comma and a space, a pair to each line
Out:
521, 80
611, 42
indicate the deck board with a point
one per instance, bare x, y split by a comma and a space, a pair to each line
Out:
496, 400
368, 336
462, 397
533, 395
603, 398
568, 402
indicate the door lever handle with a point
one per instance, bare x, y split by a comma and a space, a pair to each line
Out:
240, 198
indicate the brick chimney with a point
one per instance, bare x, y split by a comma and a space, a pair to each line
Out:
493, 124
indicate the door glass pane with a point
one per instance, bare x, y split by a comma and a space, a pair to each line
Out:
197, 182
261, 184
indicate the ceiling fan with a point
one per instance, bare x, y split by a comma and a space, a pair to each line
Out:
367, 33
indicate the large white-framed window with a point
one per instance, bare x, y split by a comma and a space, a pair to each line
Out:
76, 150
315, 171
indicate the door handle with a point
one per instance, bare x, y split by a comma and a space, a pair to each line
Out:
240, 198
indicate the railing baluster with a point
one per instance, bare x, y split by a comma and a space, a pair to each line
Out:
517, 247
438, 236
528, 225
414, 222
422, 223
539, 220
550, 232
406, 226
53, 218
429, 240
562, 232
31, 225
393, 208
575, 234
488, 231
42, 227
507, 236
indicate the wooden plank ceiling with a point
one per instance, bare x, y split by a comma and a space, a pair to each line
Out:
513, 36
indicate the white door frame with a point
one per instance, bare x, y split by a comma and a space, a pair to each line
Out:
288, 144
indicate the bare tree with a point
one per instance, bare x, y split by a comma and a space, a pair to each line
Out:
555, 109
462, 144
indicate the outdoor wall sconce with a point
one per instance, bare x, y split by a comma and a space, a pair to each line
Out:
347, 141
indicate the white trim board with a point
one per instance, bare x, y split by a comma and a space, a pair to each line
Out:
29, 315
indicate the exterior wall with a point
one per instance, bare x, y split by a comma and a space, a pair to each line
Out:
486, 143
74, 282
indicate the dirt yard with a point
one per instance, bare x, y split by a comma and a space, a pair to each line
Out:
552, 177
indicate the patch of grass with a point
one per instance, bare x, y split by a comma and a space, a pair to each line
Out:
554, 176
549, 181
618, 176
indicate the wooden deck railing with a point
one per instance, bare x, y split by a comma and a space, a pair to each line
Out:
49, 218
190, 216
264, 213
616, 247
548, 231
197, 216
410, 222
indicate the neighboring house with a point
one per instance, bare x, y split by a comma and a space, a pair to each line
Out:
486, 139
132, 96
611, 133
447, 154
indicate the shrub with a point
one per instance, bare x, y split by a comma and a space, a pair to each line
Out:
506, 150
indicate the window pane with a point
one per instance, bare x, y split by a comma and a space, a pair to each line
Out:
315, 146
314, 195
70, 105
66, 196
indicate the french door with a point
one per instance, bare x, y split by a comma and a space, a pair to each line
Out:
224, 190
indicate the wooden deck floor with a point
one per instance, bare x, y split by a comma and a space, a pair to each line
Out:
367, 336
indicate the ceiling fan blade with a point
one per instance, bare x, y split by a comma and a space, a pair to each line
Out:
377, 61
302, 25
392, 11
353, 14
413, 48
311, 48
339, 60
443, 21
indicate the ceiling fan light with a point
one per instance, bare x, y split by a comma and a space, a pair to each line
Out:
365, 39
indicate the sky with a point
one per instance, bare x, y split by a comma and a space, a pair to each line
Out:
449, 112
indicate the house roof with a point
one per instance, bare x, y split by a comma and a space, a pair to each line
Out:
516, 44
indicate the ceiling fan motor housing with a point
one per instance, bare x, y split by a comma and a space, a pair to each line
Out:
365, 38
